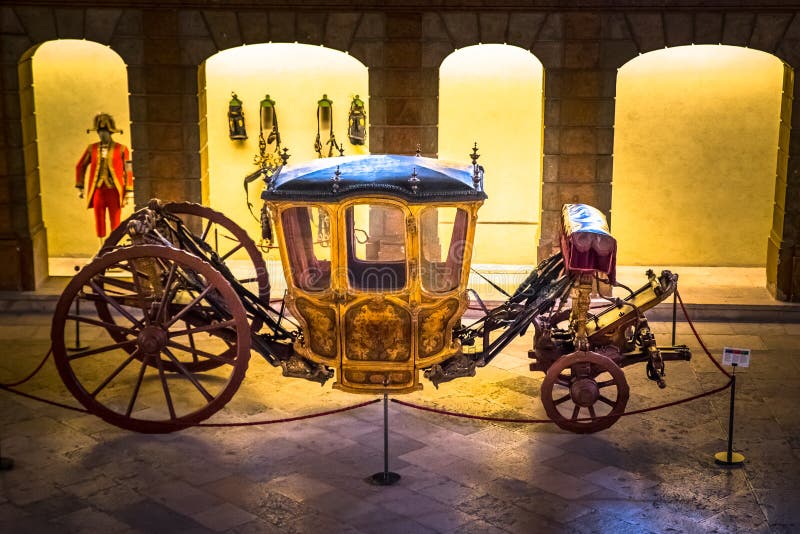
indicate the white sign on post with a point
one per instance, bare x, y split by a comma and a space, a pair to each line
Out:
734, 356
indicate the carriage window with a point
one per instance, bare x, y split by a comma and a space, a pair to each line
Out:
307, 234
376, 247
443, 235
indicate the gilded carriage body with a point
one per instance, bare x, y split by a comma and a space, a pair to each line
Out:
376, 255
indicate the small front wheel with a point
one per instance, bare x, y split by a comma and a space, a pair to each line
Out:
584, 392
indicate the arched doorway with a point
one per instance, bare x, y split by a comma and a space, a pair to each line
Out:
63, 85
492, 94
696, 155
295, 76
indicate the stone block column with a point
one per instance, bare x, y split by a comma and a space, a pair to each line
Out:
403, 92
164, 113
579, 119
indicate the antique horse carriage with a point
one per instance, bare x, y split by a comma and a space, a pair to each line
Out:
376, 253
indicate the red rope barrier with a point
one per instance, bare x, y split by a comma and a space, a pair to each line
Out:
290, 419
32, 374
691, 325
42, 399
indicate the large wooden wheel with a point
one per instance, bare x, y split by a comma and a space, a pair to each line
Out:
222, 236
171, 311
584, 392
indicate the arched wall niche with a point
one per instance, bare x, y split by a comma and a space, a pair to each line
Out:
492, 94
295, 76
697, 150
63, 84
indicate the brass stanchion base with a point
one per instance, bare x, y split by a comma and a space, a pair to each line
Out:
721, 458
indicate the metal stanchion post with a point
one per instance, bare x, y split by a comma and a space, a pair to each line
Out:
78, 345
386, 477
674, 312
6, 464
729, 457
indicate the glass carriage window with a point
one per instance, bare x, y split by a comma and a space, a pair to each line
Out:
307, 234
376, 247
443, 236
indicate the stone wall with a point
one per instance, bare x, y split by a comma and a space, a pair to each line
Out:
164, 42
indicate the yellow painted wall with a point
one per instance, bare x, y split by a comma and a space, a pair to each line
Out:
74, 80
695, 156
492, 94
295, 76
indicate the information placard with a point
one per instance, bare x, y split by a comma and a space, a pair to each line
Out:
736, 356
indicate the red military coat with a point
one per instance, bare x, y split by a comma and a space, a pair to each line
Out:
117, 156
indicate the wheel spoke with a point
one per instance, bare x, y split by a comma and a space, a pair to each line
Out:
199, 329
188, 307
194, 350
138, 385
209, 397
162, 306
606, 400
165, 387
206, 230
97, 289
561, 400
116, 282
117, 371
101, 349
575, 412
103, 324
140, 297
195, 359
591, 411
606, 383
231, 251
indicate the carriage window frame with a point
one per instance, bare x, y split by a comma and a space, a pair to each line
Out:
454, 251
308, 272
372, 273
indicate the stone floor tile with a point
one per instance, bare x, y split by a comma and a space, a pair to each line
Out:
89, 520
619, 480
299, 487
223, 517
183, 498
444, 521
478, 526
152, 517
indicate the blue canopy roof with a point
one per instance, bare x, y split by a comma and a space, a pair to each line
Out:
413, 178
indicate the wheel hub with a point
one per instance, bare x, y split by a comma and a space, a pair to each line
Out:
584, 392
152, 339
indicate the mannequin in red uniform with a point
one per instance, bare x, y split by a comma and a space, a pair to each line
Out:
110, 180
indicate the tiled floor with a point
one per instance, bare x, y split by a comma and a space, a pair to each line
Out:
648, 473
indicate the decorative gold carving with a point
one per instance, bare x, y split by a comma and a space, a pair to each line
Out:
377, 331
433, 328
377, 378
321, 327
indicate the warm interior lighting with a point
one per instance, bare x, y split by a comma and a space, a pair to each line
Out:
492, 94
695, 156
73, 81
295, 76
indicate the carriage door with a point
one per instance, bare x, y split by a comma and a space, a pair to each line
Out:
307, 234
374, 306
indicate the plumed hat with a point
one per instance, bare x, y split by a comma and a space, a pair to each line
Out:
104, 121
